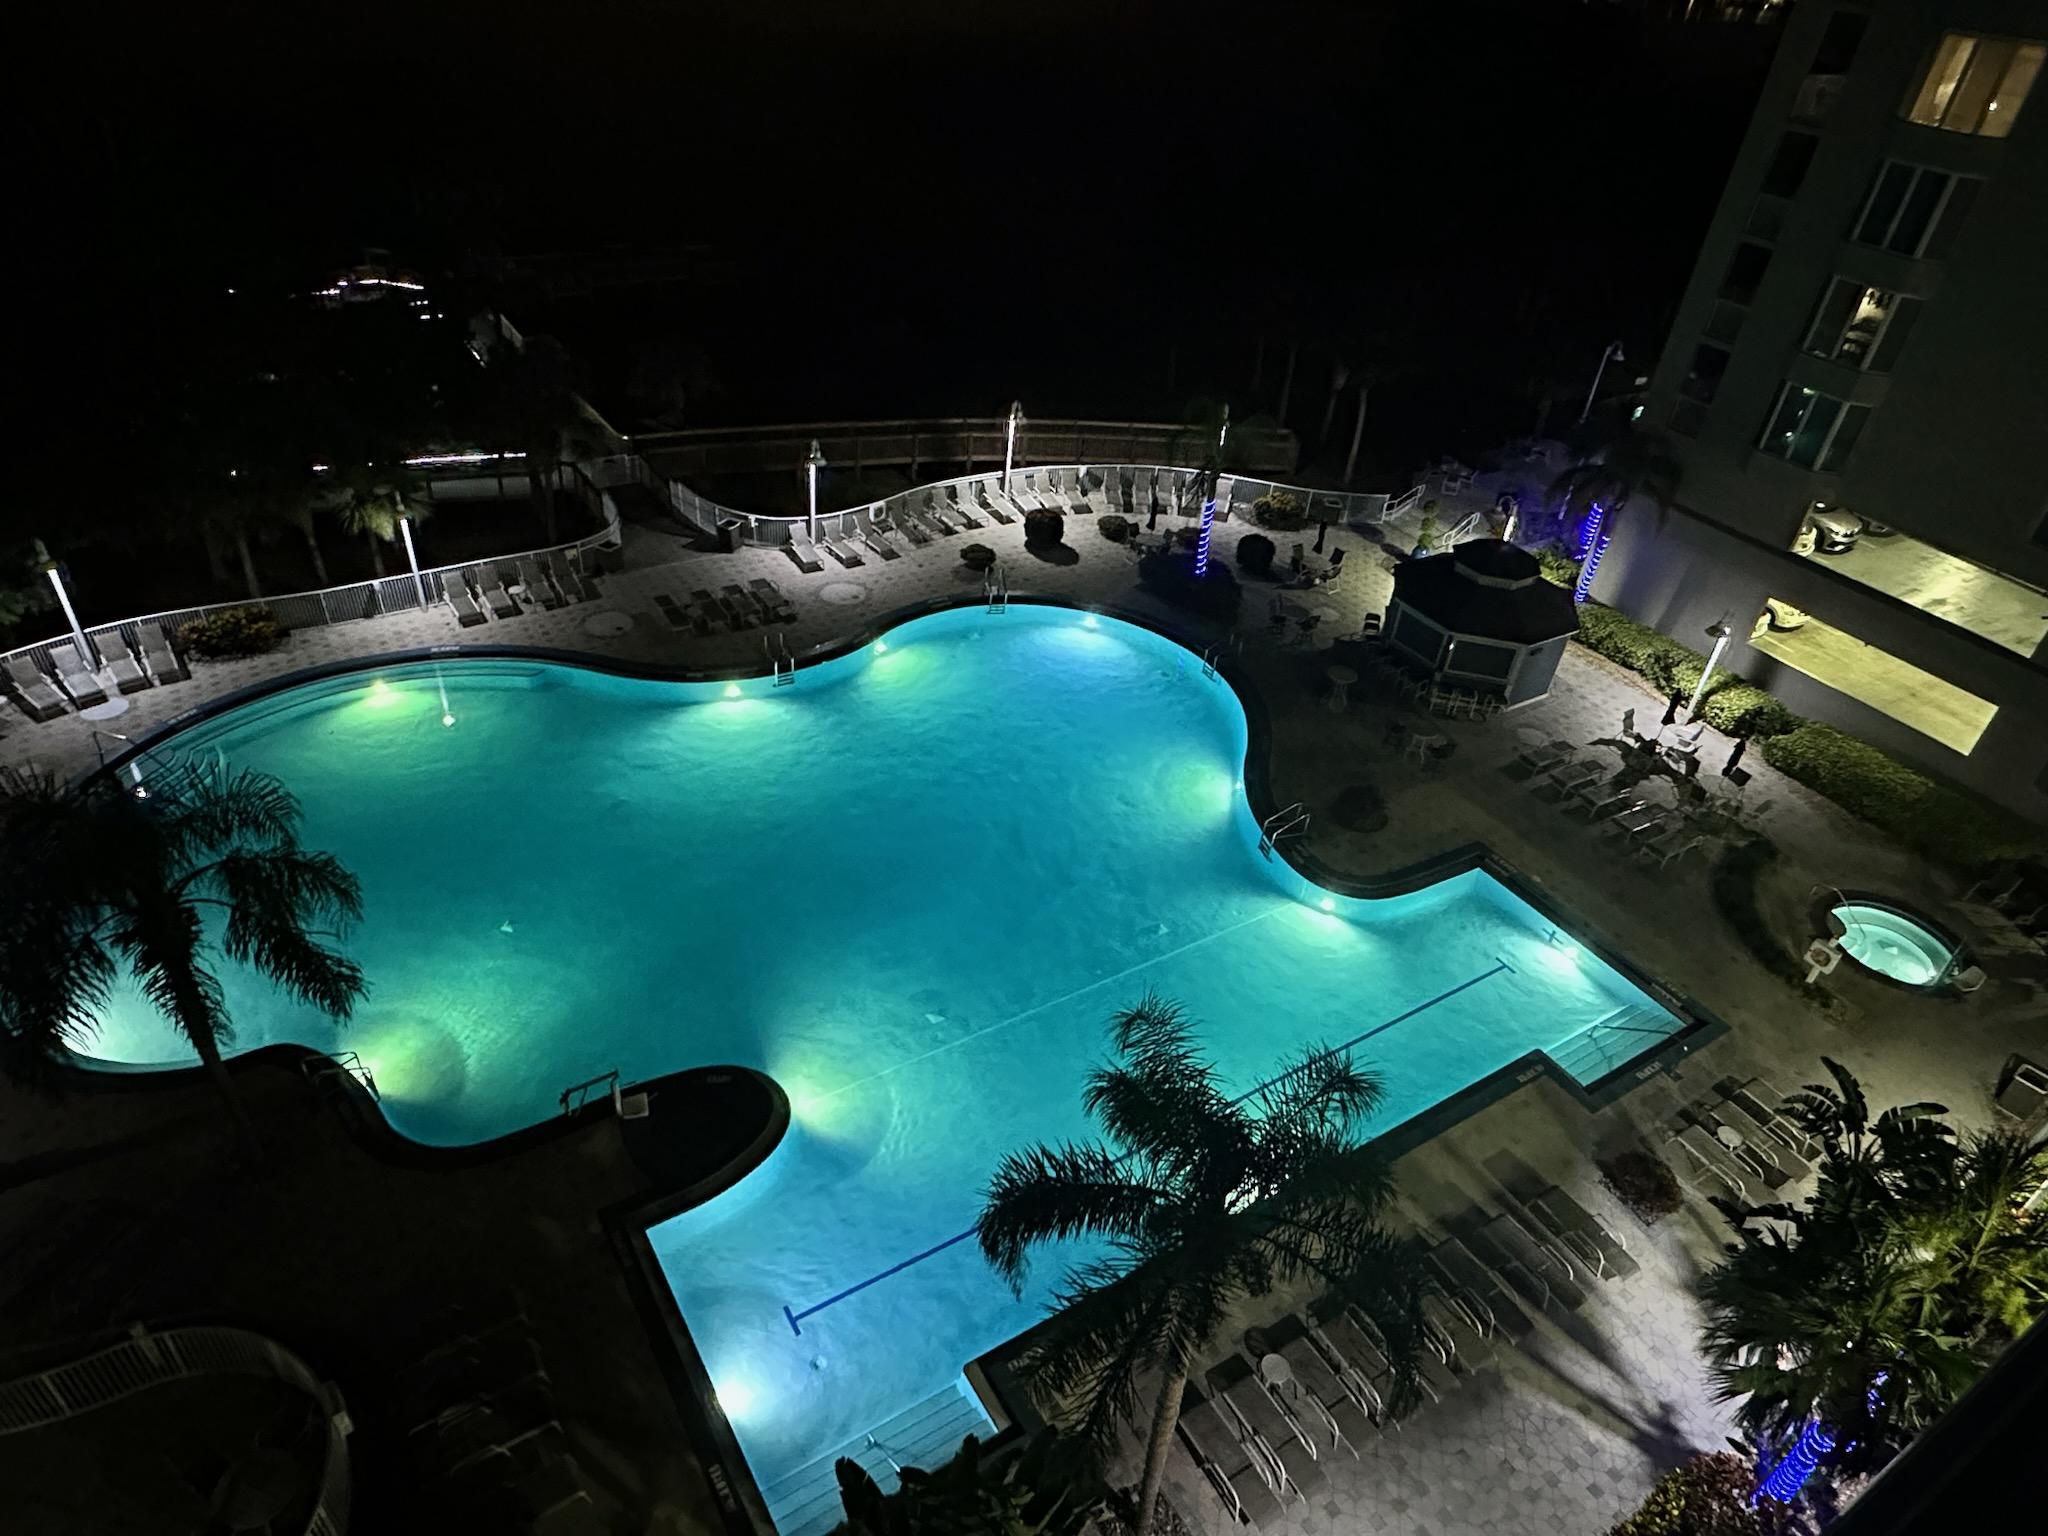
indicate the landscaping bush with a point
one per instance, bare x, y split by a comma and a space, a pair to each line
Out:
1940, 820
1733, 883
1643, 1183
1708, 1496
1281, 511
1659, 658
977, 557
1743, 709
233, 632
1171, 574
1045, 528
1558, 568
1115, 527
1255, 554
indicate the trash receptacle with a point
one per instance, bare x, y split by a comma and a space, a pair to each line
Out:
727, 535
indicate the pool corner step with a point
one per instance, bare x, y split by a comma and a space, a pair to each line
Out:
806, 1502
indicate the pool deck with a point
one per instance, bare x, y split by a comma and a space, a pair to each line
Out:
1567, 1436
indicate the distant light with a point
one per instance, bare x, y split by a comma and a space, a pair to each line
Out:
732, 690
430, 460
1636, 414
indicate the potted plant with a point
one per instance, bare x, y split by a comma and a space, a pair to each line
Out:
977, 557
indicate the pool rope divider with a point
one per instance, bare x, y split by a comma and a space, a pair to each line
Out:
795, 1318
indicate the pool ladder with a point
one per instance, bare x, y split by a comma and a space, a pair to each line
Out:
1213, 656
995, 588
1289, 821
780, 659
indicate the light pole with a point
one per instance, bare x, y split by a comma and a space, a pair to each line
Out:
1720, 632
411, 555
1222, 433
1016, 420
1611, 355
813, 462
86, 654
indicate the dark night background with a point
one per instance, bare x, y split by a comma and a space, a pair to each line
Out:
907, 207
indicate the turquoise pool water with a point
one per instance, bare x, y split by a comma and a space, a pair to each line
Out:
1892, 944
911, 887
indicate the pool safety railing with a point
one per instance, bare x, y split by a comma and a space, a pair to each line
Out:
1212, 657
995, 588
145, 1359
883, 1451
1288, 821
627, 1106
343, 1064
779, 658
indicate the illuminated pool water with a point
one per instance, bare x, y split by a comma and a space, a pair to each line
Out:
911, 887
1893, 944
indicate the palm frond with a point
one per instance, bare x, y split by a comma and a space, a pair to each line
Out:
1048, 1194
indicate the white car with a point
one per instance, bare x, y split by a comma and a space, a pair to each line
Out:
1779, 615
1834, 532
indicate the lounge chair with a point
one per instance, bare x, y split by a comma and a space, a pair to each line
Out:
1645, 824
946, 519
803, 551
1669, 846
124, 668
1347, 1334
715, 609
778, 607
958, 512
680, 616
1302, 1404
574, 562
1534, 1251
491, 583
1237, 1468
163, 662
841, 550
1754, 1154
1257, 1412
1457, 1332
566, 584
739, 607
1765, 1105
76, 677
534, 585
1464, 1275
1709, 1162
914, 528
455, 593
993, 507
1351, 1402
33, 690
876, 537
1546, 757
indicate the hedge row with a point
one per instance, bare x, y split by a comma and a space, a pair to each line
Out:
1938, 819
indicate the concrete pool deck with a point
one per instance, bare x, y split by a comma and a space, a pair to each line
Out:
1567, 1436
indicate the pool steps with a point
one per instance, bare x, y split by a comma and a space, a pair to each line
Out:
1610, 1040
806, 1503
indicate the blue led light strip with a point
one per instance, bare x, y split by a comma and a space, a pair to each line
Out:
1202, 544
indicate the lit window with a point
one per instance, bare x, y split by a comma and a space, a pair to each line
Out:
1976, 84
1812, 430
1914, 210
1860, 325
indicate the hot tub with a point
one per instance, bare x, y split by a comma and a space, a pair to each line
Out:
1893, 943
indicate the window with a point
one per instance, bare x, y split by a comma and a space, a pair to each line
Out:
1914, 210
1725, 323
1838, 45
1862, 326
1812, 430
1976, 84
1745, 272
1703, 381
1688, 416
1787, 170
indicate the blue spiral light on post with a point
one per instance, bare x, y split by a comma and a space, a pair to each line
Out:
1202, 543
1784, 1481
1592, 545
1589, 530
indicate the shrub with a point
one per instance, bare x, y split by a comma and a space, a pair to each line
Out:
1642, 1182
977, 557
1558, 568
1281, 511
1708, 1496
1255, 554
1940, 820
1743, 709
233, 632
1045, 527
1171, 575
1115, 527
1733, 884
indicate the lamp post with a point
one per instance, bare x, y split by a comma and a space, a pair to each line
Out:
1016, 420
1720, 632
813, 462
1611, 355
411, 555
1222, 433
43, 561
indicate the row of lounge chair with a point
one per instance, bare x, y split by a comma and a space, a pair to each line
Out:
1661, 835
540, 581
1263, 1422
1738, 1136
74, 681
736, 607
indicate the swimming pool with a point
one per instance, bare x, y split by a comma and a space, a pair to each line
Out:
1893, 943
910, 887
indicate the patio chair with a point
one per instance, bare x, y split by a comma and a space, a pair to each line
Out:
945, 520
1606, 801
912, 527
534, 585
992, 507
122, 666
76, 677
840, 550
1534, 1253
492, 584
577, 563
502, 576
719, 607
1456, 1333
1762, 1104
1302, 1396
1670, 846
1237, 1468
772, 602
1350, 1400
33, 690
1752, 1154
1544, 757
1573, 777
1235, 1382
164, 664
803, 551
681, 616
455, 593
565, 584
959, 512
1464, 1275
1645, 824
1708, 1160
876, 537
1601, 1250
1350, 1335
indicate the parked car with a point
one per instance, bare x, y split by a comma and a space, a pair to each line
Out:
1835, 532
1779, 615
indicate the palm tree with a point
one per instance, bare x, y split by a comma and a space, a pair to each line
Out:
531, 400
1203, 1200
1633, 467
373, 499
100, 880
1872, 1306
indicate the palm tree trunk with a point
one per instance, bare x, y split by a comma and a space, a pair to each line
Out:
1357, 431
543, 498
1339, 377
1287, 380
1164, 1417
238, 1112
248, 559
168, 946
313, 549
376, 554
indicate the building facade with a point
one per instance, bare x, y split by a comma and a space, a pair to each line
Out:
1856, 388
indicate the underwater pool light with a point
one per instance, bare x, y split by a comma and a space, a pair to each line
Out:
732, 690
1327, 905
1090, 623
735, 1397
881, 647
446, 718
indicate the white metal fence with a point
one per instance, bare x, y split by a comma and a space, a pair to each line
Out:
144, 1360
